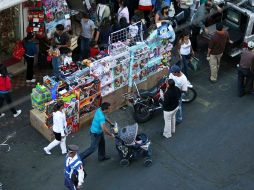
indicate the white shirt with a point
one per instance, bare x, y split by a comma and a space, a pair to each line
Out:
67, 60
185, 49
59, 122
80, 170
123, 12
181, 82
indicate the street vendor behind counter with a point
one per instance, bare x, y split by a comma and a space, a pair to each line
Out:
61, 39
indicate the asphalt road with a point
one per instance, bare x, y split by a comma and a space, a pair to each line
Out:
211, 150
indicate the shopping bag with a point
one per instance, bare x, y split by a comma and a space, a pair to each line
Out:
194, 64
18, 50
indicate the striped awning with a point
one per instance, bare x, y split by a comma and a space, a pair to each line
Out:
5, 4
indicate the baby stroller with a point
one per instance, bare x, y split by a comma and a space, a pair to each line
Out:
131, 145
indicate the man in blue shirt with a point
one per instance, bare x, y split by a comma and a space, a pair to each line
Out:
97, 131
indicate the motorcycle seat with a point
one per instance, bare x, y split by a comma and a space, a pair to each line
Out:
150, 92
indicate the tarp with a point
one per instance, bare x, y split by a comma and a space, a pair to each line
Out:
5, 4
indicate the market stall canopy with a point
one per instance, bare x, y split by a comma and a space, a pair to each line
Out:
5, 4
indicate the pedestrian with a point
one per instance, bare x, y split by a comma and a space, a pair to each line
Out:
97, 131
216, 48
184, 5
73, 172
182, 83
5, 91
123, 11
245, 75
30, 52
162, 15
59, 128
86, 36
62, 41
199, 19
170, 106
103, 33
185, 51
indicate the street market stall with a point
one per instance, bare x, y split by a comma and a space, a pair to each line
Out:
84, 85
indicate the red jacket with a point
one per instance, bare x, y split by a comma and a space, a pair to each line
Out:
5, 83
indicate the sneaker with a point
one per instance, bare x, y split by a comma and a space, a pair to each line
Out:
17, 114
33, 80
46, 151
28, 81
2, 115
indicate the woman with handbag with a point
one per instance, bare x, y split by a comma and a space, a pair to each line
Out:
59, 129
185, 51
5, 88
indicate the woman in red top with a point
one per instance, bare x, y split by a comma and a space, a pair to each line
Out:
5, 88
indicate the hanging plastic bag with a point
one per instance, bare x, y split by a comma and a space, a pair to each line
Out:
18, 50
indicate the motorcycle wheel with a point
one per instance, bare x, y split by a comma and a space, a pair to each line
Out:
141, 113
189, 96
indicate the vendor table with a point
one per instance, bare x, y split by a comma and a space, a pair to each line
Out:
116, 99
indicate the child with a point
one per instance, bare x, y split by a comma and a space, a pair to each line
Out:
54, 53
94, 49
68, 58
5, 90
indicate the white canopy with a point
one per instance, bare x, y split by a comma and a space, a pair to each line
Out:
5, 4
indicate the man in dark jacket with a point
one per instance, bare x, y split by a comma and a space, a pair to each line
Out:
244, 71
170, 106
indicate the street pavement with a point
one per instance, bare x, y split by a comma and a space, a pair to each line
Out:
211, 150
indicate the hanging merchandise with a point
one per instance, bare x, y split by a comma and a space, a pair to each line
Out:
36, 18
139, 57
56, 12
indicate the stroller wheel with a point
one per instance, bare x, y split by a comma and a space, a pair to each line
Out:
124, 162
148, 162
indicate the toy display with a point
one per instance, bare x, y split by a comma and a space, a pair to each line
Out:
36, 18
138, 63
56, 12
40, 95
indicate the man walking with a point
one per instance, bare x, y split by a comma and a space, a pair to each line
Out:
86, 36
97, 131
182, 83
215, 50
244, 71
73, 172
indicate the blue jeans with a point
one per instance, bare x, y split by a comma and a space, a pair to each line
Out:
97, 141
56, 62
179, 113
69, 184
185, 64
84, 48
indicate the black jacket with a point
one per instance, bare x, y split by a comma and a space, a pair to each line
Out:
171, 99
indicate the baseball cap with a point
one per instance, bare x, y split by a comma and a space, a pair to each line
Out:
175, 69
73, 148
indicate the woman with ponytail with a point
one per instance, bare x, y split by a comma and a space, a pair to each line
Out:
59, 129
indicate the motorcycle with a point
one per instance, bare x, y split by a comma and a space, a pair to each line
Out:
146, 102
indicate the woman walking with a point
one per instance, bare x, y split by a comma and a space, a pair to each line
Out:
30, 52
185, 51
5, 88
170, 107
59, 129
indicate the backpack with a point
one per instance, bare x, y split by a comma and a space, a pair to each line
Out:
18, 50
